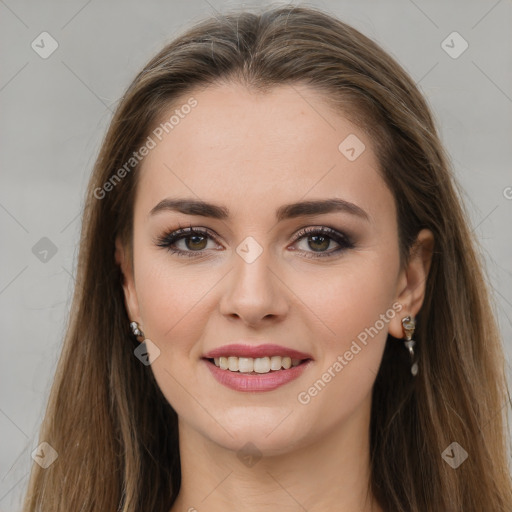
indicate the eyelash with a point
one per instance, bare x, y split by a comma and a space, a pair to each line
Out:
167, 240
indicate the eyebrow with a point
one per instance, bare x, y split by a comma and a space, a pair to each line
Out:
288, 211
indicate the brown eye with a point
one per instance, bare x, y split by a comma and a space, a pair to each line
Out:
193, 241
319, 240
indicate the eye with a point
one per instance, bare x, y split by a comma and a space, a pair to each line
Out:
194, 240
319, 239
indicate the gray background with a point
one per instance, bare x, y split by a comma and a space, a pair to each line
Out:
56, 110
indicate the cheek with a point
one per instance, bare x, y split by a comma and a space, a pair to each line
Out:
174, 308
349, 298
172, 300
354, 305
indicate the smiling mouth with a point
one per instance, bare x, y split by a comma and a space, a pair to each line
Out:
256, 366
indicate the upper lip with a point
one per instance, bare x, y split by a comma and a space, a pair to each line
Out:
241, 350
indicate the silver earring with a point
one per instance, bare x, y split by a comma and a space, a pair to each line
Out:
408, 325
136, 330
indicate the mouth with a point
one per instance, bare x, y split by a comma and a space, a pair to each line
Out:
256, 366
266, 374
265, 367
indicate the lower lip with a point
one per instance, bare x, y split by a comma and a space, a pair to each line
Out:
263, 382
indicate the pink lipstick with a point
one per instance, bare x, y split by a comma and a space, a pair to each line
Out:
256, 368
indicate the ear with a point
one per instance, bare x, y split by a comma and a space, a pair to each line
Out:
130, 294
411, 283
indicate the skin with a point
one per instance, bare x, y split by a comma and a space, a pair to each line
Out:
233, 149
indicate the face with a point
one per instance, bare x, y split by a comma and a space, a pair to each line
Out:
324, 281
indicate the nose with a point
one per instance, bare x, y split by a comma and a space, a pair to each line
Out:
254, 292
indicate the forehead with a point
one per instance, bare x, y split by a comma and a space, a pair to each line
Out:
251, 150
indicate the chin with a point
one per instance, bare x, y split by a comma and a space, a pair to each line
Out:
265, 431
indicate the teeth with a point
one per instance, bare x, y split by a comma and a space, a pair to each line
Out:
262, 364
246, 365
275, 362
257, 365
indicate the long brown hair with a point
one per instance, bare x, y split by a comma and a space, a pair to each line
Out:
115, 433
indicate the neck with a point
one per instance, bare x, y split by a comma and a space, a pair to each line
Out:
331, 472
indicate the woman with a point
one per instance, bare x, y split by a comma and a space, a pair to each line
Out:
279, 305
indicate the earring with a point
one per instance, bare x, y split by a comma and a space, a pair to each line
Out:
408, 325
136, 330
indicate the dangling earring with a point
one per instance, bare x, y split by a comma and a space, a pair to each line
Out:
409, 324
136, 330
